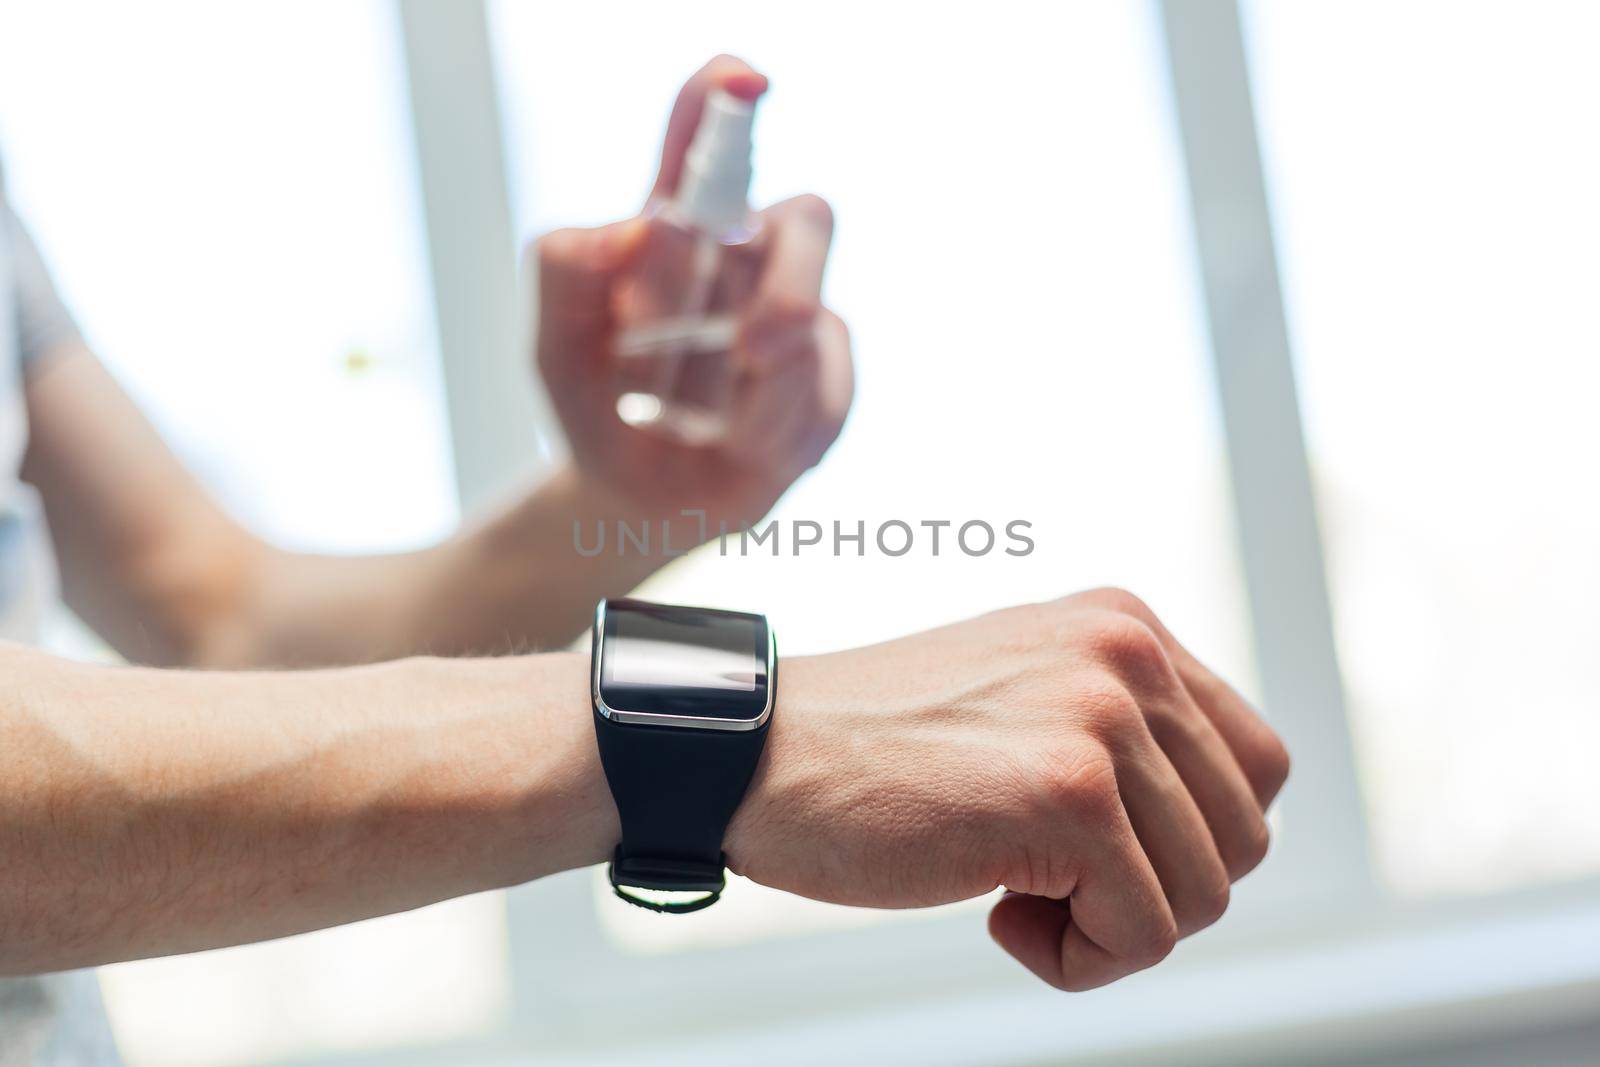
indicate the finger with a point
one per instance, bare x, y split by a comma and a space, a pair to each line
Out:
1032, 929
576, 269
1216, 782
783, 311
728, 73
1115, 922
772, 411
1257, 749
1176, 836
836, 386
792, 415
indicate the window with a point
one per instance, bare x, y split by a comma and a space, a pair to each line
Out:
1440, 244
226, 195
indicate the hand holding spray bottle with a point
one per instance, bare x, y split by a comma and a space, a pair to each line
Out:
677, 309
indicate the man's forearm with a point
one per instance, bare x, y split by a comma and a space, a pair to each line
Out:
519, 574
167, 577
512, 582
145, 812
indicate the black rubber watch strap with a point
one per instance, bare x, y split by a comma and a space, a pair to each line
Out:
676, 790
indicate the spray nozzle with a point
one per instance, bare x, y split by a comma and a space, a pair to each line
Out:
714, 190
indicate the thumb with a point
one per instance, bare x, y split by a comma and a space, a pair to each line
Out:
728, 73
576, 269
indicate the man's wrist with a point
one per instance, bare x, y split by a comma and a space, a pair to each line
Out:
793, 765
596, 500
566, 808
695, 516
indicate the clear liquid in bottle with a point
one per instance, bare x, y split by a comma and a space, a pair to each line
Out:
678, 313
677, 310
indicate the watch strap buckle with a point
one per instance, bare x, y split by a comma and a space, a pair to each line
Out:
667, 876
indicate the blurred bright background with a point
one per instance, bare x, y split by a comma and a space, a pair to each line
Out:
253, 207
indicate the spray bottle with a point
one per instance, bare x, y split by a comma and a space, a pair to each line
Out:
677, 310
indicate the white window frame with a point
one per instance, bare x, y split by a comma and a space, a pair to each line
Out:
573, 990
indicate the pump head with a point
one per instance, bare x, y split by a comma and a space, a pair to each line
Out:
714, 190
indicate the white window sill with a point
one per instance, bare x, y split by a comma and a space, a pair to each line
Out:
1397, 977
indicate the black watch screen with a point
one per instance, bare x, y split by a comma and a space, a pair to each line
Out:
665, 660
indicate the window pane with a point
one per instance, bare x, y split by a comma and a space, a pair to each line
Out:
237, 229
226, 195
1433, 169
1013, 258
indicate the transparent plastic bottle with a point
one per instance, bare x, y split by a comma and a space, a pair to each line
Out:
678, 308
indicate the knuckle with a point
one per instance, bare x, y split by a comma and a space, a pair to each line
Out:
815, 210
1130, 648
1155, 943
1085, 785
1119, 600
1272, 761
554, 247
839, 327
1248, 849
1110, 713
1208, 905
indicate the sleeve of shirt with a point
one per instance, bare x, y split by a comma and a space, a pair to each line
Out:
42, 321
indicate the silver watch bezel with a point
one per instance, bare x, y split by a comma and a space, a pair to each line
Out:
597, 650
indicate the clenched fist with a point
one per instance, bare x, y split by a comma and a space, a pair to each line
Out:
1072, 752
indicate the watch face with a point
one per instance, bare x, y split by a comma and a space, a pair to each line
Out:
659, 659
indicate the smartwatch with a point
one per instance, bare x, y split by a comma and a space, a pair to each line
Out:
682, 700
